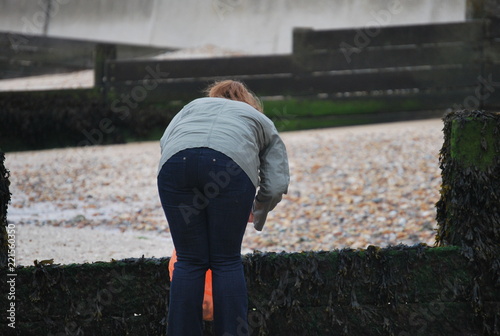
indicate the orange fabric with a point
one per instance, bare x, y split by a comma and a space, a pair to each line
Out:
208, 303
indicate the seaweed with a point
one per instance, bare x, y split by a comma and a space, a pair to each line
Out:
468, 211
4, 204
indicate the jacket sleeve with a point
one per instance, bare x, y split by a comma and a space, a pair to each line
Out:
274, 178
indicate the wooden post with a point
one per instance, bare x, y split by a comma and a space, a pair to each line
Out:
103, 53
482, 9
468, 212
300, 49
474, 9
489, 12
4, 202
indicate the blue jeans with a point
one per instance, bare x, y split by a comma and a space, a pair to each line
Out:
207, 199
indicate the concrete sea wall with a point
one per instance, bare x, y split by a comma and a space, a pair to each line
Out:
249, 26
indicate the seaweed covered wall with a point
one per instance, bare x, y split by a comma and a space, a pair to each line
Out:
4, 203
468, 212
469, 209
398, 290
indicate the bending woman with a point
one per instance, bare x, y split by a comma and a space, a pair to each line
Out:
223, 164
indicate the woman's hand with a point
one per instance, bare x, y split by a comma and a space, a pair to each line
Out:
250, 218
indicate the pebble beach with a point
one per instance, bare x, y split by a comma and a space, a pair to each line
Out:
350, 187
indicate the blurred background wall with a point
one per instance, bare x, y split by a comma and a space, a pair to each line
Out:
246, 26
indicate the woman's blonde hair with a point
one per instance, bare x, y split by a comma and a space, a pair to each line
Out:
234, 90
